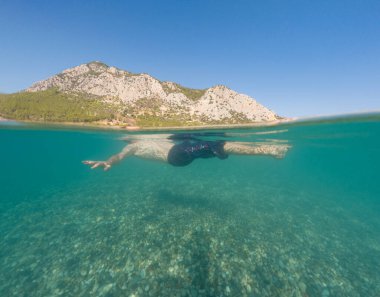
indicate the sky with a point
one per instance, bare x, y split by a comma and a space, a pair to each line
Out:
298, 58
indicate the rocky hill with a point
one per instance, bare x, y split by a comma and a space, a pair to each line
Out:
125, 98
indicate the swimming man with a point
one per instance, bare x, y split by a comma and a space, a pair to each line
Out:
182, 149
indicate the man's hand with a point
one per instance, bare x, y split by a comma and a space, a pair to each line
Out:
96, 164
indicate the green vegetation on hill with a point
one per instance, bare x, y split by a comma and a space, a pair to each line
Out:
147, 113
192, 94
161, 121
54, 106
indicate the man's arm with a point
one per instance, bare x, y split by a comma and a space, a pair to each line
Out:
241, 148
127, 151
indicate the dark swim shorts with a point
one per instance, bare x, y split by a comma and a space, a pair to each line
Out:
184, 153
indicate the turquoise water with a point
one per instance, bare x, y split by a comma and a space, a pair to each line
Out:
305, 225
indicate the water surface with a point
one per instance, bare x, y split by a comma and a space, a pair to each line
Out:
305, 225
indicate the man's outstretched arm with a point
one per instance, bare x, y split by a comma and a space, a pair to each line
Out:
246, 148
127, 151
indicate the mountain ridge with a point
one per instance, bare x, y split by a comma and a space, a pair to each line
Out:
141, 98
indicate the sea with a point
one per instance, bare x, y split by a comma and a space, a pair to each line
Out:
304, 225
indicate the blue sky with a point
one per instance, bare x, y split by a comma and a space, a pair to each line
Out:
299, 58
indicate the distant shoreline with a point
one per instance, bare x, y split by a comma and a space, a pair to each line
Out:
371, 115
137, 128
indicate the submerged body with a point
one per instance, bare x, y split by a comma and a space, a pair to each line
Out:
183, 149
184, 153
